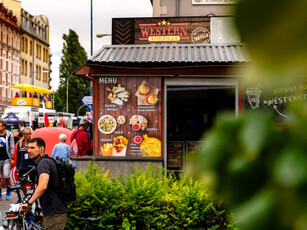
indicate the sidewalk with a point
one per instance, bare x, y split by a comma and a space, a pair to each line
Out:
5, 204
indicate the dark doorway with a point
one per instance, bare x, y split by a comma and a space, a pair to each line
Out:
191, 112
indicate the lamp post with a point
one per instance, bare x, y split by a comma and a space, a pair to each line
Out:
102, 35
67, 92
91, 27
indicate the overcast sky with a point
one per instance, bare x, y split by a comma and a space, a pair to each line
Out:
75, 14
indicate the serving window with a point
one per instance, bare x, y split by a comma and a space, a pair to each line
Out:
191, 106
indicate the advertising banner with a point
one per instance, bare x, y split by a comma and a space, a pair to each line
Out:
160, 30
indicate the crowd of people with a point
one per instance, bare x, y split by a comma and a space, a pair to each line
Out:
35, 95
31, 151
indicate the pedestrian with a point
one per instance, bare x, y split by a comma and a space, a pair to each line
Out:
15, 133
21, 126
6, 157
82, 138
23, 162
34, 125
54, 209
61, 150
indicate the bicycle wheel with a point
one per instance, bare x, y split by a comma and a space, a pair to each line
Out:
14, 225
35, 226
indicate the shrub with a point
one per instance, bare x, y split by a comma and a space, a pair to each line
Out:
145, 199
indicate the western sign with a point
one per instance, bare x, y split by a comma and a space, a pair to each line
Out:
161, 30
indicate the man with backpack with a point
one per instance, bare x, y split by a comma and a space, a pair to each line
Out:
82, 142
54, 209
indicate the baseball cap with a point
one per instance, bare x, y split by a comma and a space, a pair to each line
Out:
83, 121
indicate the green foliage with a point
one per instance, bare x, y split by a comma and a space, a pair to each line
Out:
275, 32
260, 168
145, 199
74, 56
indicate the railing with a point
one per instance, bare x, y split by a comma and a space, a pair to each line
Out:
28, 101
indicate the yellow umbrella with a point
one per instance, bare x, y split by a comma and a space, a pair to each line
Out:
31, 88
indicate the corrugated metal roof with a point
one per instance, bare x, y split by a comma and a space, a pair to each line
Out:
168, 53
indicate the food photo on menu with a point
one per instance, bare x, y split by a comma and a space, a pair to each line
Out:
118, 95
151, 146
147, 94
107, 124
138, 122
118, 148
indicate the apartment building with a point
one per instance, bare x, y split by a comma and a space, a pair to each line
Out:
25, 53
10, 55
35, 52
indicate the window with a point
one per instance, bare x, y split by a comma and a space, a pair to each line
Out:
31, 48
22, 44
30, 69
26, 45
26, 68
22, 67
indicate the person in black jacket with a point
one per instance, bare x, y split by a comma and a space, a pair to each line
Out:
23, 160
54, 209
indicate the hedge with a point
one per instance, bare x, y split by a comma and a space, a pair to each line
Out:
145, 199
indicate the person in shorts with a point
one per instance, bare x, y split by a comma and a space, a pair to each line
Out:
6, 157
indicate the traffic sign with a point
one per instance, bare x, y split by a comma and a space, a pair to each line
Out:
87, 100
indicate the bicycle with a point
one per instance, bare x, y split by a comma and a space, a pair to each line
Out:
17, 221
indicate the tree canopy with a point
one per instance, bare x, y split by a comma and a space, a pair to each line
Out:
73, 57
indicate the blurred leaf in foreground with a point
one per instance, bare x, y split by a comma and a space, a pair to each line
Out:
259, 168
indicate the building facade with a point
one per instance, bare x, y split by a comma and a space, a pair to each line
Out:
10, 55
35, 52
176, 8
24, 50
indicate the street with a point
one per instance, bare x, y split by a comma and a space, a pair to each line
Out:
5, 204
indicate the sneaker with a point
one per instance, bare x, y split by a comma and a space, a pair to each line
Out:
8, 194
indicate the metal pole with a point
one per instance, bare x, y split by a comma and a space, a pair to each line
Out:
33, 61
67, 92
78, 113
91, 84
67, 95
91, 27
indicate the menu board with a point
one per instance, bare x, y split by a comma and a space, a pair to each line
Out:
193, 147
130, 122
175, 154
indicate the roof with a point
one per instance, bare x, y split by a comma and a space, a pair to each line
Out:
165, 59
170, 53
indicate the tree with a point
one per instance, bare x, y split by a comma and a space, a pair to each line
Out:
74, 56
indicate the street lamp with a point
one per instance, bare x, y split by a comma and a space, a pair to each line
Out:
67, 92
102, 35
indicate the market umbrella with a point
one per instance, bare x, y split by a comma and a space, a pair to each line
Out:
51, 136
30, 88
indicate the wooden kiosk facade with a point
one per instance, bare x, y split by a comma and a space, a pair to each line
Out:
131, 84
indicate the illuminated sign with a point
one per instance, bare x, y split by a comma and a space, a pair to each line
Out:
161, 30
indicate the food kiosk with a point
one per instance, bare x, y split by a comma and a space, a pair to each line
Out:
158, 88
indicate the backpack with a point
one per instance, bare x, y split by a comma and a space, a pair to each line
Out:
67, 188
73, 148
